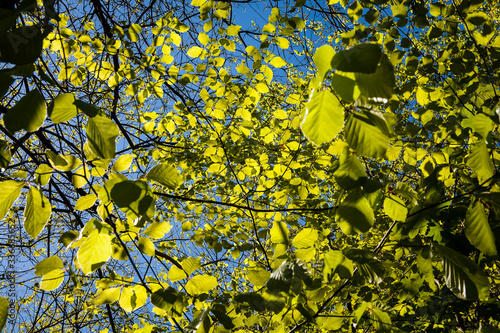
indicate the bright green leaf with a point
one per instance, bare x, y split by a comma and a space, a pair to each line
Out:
305, 238
201, 284
279, 233
52, 280
322, 59
101, 136
166, 175
146, 246
86, 201
395, 208
123, 163
367, 133
480, 161
36, 212
94, 252
62, 108
9, 192
324, 117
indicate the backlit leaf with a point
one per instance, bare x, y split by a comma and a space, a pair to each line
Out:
135, 198
324, 117
355, 213
279, 233
4, 311
166, 175
478, 230
367, 134
9, 192
86, 201
36, 212
28, 113
201, 284
395, 208
101, 136
62, 108
305, 238
95, 251
462, 275
480, 161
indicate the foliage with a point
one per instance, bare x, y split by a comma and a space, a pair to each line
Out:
168, 167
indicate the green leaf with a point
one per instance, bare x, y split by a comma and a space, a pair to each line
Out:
36, 212
322, 59
95, 251
146, 246
9, 192
478, 230
381, 320
89, 109
63, 162
477, 18
123, 163
258, 276
395, 208
62, 108
132, 298
424, 264
362, 58
194, 51
482, 124
5, 155
135, 198
176, 274
378, 86
367, 134
480, 161
157, 230
351, 172
305, 238
355, 213
195, 324
462, 275
279, 233
334, 262
101, 136
324, 117
68, 237
399, 10
86, 201
201, 284
167, 299
108, 296
278, 62
4, 311
42, 174
28, 113
289, 275
190, 265
48, 265
21, 45
166, 175
52, 271
52, 280
344, 84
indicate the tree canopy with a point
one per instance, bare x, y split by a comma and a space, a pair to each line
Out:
245, 165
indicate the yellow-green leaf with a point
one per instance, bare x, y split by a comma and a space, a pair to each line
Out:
36, 212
